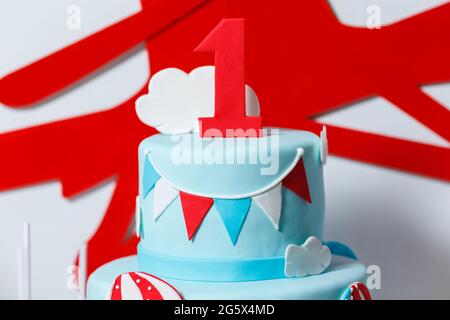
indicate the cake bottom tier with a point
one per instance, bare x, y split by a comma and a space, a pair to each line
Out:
330, 285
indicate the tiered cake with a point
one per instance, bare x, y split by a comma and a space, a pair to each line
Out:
227, 212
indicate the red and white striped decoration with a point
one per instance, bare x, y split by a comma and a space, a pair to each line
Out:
359, 291
142, 286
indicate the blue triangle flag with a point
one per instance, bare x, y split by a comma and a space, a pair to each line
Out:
233, 213
150, 177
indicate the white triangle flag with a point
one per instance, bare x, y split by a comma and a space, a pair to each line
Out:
270, 203
163, 195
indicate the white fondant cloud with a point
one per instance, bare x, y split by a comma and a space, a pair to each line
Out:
308, 259
176, 100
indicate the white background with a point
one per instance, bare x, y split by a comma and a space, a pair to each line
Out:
398, 221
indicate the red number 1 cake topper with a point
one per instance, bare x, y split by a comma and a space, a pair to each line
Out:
226, 40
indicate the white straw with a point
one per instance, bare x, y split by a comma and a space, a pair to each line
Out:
24, 257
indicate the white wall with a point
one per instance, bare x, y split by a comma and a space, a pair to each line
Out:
30, 29
398, 221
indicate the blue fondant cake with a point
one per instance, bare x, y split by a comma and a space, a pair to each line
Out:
222, 229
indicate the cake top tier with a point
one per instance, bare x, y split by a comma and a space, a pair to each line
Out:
229, 168
230, 210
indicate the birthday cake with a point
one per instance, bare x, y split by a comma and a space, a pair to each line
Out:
227, 209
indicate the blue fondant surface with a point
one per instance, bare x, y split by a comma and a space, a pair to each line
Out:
211, 269
330, 285
258, 237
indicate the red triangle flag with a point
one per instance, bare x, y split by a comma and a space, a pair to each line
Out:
195, 209
297, 181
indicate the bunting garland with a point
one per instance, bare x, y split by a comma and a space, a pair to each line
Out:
233, 214
195, 209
